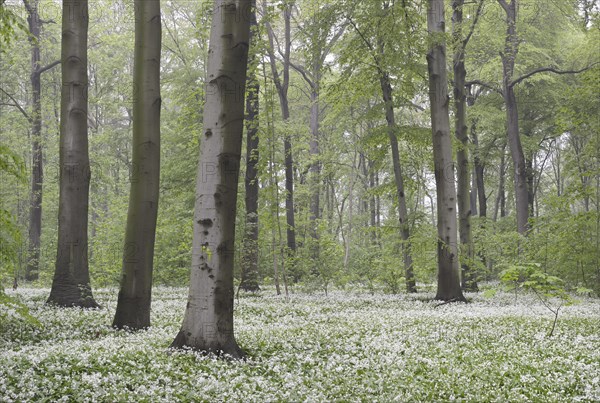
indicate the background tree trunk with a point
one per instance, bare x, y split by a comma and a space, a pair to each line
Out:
469, 280
511, 49
479, 169
282, 90
71, 283
37, 171
135, 294
386, 89
249, 280
208, 321
448, 270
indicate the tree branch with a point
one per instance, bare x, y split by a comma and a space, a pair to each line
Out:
48, 67
16, 104
361, 34
475, 19
304, 74
484, 85
551, 70
503, 4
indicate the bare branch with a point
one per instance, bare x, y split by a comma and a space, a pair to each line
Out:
472, 29
503, 4
550, 70
48, 67
16, 104
484, 85
300, 69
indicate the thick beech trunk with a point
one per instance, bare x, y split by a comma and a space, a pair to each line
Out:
71, 283
449, 288
135, 294
208, 320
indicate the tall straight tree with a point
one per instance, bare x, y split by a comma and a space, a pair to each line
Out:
282, 84
34, 24
378, 52
249, 280
208, 320
465, 209
449, 288
133, 306
320, 34
71, 284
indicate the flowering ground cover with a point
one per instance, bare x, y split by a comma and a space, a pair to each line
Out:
343, 347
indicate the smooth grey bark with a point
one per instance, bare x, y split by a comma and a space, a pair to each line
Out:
208, 320
135, 293
249, 277
449, 288
71, 283
282, 90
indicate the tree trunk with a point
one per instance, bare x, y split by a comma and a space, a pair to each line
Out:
71, 283
372, 205
512, 117
249, 280
501, 197
315, 172
282, 90
469, 280
208, 320
479, 172
473, 193
386, 89
135, 294
37, 172
530, 172
448, 271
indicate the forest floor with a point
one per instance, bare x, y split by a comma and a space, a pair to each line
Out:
343, 347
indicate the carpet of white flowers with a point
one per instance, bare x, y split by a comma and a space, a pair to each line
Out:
343, 347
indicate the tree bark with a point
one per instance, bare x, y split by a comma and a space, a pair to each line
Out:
135, 294
448, 271
208, 320
249, 280
71, 283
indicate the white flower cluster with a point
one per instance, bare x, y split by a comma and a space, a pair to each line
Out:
344, 347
